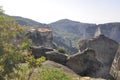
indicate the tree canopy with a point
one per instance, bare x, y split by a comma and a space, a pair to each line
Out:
11, 48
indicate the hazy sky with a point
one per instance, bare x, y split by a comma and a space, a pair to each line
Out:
47, 11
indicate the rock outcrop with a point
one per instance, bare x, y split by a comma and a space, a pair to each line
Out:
105, 49
66, 43
85, 63
41, 37
115, 69
53, 64
39, 51
56, 56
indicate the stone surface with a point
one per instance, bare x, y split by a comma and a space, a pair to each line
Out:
39, 51
115, 69
41, 37
85, 63
53, 64
105, 49
56, 56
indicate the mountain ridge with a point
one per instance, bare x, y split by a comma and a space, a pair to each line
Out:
66, 31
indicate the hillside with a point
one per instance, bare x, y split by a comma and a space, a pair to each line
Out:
67, 33
72, 30
28, 22
76, 30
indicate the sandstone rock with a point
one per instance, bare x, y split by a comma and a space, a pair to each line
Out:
39, 51
53, 64
115, 69
105, 49
41, 37
56, 56
85, 63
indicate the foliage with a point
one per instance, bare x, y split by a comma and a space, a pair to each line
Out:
11, 48
61, 50
28, 69
32, 62
53, 74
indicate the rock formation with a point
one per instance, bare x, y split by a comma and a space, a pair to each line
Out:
41, 37
98, 32
85, 63
56, 56
115, 69
53, 64
39, 51
105, 49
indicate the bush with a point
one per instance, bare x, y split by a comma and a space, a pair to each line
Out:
32, 62
53, 74
61, 50
11, 48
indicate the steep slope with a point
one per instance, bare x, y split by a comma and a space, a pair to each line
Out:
105, 49
28, 22
111, 30
67, 33
76, 30
71, 29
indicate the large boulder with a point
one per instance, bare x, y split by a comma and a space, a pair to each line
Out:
39, 51
85, 63
41, 37
52, 64
105, 49
115, 69
56, 56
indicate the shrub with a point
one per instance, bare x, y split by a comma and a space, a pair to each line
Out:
61, 50
53, 74
11, 48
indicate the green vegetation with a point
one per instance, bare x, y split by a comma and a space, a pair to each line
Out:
26, 71
53, 74
61, 50
27, 22
13, 47
33, 63
42, 73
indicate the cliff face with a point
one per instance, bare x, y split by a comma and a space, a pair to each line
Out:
85, 63
74, 30
41, 37
115, 69
105, 49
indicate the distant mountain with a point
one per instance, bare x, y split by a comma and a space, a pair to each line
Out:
76, 30
67, 33
111, 30
28, 22
72, 30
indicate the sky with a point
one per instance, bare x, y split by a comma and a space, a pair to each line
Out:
47, 11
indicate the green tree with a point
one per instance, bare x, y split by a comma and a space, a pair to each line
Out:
33, 63
11, 48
